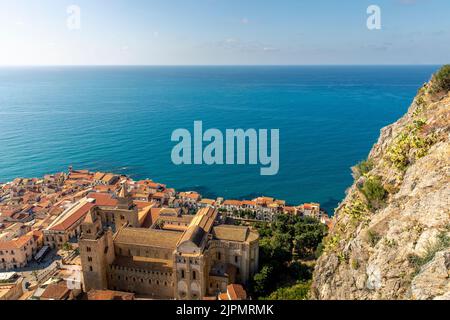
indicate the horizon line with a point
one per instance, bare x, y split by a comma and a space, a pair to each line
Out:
217, 65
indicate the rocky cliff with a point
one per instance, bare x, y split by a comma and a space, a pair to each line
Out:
391, 238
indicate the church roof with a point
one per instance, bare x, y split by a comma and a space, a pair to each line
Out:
148, 237
231, 233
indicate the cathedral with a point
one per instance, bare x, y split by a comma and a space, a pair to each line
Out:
175, 256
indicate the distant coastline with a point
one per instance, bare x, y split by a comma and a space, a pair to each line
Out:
61, 184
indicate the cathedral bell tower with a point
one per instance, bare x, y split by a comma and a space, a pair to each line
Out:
96, 251
124, 199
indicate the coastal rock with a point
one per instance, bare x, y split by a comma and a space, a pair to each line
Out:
397, 247
433, 282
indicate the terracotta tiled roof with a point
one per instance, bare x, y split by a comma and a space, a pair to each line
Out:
236, 292
236, 203
190, 195
16, 243
223, 296
103, 199
109, 295
99, 175
103, 188
69, 221
159, 195
289, 209
56, 291
108, 177
142, 204
231, 233
208, 201
148, 237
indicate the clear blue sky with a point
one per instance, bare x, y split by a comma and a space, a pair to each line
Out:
186, 32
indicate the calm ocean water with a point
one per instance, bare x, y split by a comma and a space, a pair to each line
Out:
120, 119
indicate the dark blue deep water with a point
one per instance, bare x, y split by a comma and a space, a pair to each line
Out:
120, 119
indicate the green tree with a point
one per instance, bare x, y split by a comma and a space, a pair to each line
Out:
299, 291
262, 281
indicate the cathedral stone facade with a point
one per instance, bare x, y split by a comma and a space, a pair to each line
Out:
177, 257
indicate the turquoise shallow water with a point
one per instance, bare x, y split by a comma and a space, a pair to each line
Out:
121, 118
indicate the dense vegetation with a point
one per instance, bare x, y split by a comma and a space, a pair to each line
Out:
287, 248
298, 291
441, 80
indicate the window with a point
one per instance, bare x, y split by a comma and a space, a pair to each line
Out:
90, 268
194, 275
219, 255
88, 249
182, 274
89, 259
236, 259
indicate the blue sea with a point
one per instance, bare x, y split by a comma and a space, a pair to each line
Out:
120, 119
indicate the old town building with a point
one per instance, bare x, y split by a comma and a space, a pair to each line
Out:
177, 257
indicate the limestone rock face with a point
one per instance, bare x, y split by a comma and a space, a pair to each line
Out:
398, 245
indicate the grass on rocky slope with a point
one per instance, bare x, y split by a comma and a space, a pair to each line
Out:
442, 243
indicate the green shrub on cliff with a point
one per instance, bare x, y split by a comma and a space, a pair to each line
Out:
410, 145
373, 189
441, 80
363, 168
331, 243
357, 210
